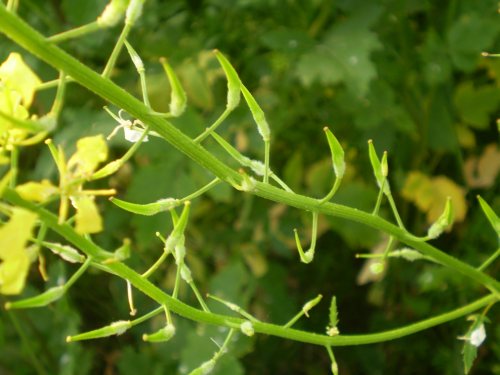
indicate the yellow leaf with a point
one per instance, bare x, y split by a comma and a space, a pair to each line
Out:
90, 151
430, 195
15, 259
18, 77
36, 191
88, 219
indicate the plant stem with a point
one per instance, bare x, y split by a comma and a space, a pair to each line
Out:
212, 127
121, 270
74, 33
116, 50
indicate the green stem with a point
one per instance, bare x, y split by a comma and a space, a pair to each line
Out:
74, 33
490, 260
332, 192
199, 297
121, 270
77, 274
27, 37
395, 210
212, 127
147, 316
59, 99
116, 50
155, 266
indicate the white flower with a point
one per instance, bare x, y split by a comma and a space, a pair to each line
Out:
133, 135
478, 336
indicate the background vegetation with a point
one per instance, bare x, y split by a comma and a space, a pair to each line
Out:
407, 74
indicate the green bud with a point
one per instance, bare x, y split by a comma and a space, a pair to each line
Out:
178, 97
148, 209
47, 297
66, 252
247, 328
334, 318
443, 222
173, 239
384, 167
337, 153
233, 81
162, 335
258, 114
309, 305
115, 328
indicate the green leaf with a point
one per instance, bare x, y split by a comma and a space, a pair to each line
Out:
476, 105
343, 55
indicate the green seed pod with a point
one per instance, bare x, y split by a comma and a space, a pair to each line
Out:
113, 13
178, 99
334, 316
443, 222
309, 305
134, 11
66, 252
162, 335
115, 328
258, 114
204, 369
337, 152
233, 81
176, 236
377, 167
47, 297
490, 215
148, 209
107, 170
136, 59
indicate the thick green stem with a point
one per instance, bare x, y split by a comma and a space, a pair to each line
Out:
27, 37
121, 270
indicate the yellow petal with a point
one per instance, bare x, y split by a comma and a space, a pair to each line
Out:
88, 219
90, 151
17, 76
36, 191
15, 260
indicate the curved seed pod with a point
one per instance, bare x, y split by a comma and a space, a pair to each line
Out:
309, 305
115, 328
258, 114
178, 97
490, 215
337, 152
147, 209
134, 11
113, 13
49, 296
443, 222
162, 335
233, 81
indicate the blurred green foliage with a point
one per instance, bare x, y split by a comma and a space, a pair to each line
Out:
407, 74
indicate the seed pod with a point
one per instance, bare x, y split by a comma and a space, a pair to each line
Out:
115, 328
134, 11
490, 215
66, 252
147, 209
49, 296
113, 13
178, 97
337, 153
309, 305
443, 222
162, 335
233, 81
258, 114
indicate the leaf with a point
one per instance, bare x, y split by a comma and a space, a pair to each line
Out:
18, 77
476, 105
343, 55
15, 260
90, 151
481, 172
430, 195
88, 219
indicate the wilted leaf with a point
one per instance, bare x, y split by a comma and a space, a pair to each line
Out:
15, 260
482, 172
430, 195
